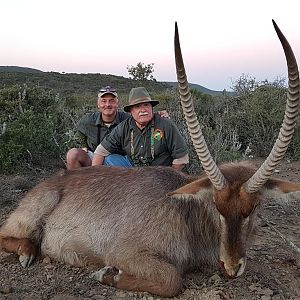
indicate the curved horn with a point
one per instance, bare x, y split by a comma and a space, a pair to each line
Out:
289, 121
210, 167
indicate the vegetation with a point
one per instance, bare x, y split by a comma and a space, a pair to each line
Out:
141, 72
38, 117
77, 87
32, 132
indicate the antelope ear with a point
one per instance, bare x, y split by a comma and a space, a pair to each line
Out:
282, 185
193, 188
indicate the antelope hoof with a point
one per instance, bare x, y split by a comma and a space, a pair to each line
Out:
25, 260
107, 275
27, 252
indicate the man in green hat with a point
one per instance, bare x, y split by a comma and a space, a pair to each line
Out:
145, 139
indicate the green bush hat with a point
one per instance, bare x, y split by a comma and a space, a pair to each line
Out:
139, 95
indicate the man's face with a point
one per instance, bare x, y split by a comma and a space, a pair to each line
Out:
142, 113
108, 104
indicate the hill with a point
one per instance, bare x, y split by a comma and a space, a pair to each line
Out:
19, 69
198, 87
74, 83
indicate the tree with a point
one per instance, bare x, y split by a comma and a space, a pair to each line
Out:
141, 72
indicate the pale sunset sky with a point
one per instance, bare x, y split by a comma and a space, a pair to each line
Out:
220, 40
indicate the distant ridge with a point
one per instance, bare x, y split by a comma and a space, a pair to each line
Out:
88, 81
17, 69
198, 87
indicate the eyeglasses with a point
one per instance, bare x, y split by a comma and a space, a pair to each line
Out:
107, 89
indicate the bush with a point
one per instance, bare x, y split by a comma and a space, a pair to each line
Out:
258, 114
33, 130
28, 141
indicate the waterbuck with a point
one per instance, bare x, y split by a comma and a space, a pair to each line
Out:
145, 227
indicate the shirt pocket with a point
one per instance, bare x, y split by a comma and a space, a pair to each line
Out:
160, 146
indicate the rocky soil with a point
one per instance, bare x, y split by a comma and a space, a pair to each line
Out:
272, 272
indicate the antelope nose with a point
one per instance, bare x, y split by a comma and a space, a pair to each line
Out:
235, 270
241, 267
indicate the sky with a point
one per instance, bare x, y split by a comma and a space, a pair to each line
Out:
220, 40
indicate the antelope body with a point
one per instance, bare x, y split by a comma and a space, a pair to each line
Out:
146, 227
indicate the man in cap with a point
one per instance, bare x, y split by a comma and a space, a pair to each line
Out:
145, 139
93, 127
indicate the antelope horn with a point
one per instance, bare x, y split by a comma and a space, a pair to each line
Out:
210, 167
287, 128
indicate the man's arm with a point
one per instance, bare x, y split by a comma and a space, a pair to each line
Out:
177, 167
99, 156
179, 163
176, 145
98, 160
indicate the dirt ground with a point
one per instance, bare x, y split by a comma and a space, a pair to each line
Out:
272, 271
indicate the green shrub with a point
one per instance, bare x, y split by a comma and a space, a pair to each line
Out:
258, 113
28, 141
31, 118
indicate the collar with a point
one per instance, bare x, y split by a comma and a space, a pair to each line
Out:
133, 126
99, 120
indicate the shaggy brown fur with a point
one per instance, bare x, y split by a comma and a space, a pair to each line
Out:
147, 225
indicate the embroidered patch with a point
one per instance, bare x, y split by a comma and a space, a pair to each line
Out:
158, 134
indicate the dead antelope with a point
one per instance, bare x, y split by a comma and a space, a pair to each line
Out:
146, 227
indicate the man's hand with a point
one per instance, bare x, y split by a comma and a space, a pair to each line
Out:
178, 167
164, 114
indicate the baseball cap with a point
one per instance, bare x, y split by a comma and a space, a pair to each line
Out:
107, 90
